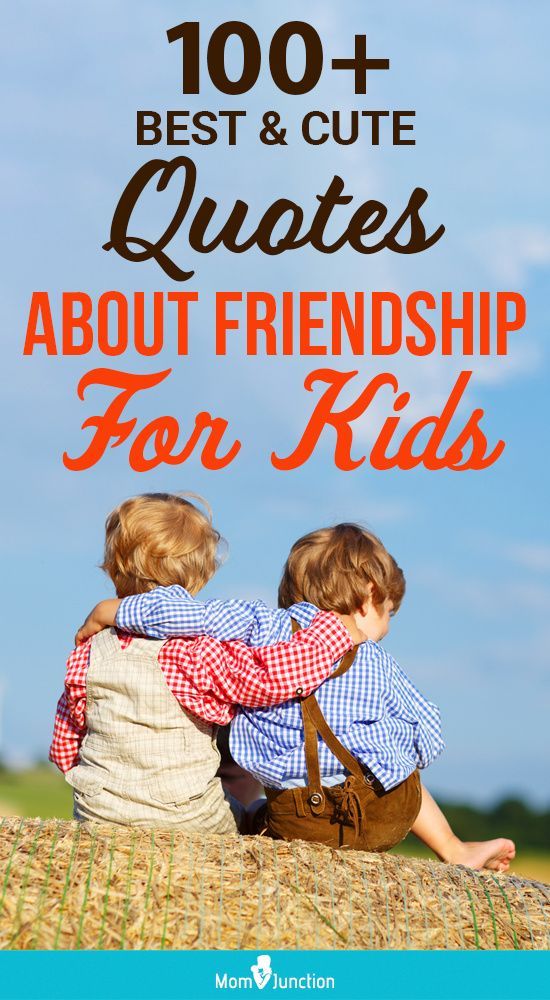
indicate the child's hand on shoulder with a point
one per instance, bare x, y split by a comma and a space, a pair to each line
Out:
102, 616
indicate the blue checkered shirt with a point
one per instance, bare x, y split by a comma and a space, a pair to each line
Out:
374, 709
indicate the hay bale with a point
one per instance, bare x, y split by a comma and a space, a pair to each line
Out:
68, 886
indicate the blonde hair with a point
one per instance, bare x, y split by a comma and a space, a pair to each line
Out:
159, 539
333, 567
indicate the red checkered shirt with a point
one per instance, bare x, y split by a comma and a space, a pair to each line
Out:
211, 679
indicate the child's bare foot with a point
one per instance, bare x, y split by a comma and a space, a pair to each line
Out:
494, 854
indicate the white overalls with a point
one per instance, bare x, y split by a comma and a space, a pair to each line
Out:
144, 760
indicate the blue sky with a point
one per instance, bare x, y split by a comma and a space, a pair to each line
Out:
473, 632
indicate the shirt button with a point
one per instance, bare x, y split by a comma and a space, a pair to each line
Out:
299, 691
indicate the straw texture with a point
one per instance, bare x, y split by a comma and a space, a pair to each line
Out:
68, 886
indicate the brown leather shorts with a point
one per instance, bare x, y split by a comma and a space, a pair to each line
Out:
355, 814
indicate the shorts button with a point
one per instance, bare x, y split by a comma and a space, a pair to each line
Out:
315, 799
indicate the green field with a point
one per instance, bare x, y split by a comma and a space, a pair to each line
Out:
42, 791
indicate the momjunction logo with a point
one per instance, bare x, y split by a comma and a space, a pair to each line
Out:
263, 975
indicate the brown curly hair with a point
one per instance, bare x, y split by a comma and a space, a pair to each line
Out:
333, 567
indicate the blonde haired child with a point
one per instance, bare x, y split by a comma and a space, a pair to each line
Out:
159, 539
136, 724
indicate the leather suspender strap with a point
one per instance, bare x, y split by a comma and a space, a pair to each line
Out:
345, 662
315, 723
314, 713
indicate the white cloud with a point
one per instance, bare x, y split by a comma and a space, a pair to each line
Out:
505, 596
533, 556
379, 511
507, 253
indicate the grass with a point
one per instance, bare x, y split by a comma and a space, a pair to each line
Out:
41, 791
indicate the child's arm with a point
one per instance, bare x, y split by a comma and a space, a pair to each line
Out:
166, 612
70, 718
406, 702
216, 677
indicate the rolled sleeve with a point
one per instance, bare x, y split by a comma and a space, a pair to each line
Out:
162, 613
408, 703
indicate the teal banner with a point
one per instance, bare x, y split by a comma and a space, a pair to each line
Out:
350, 975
